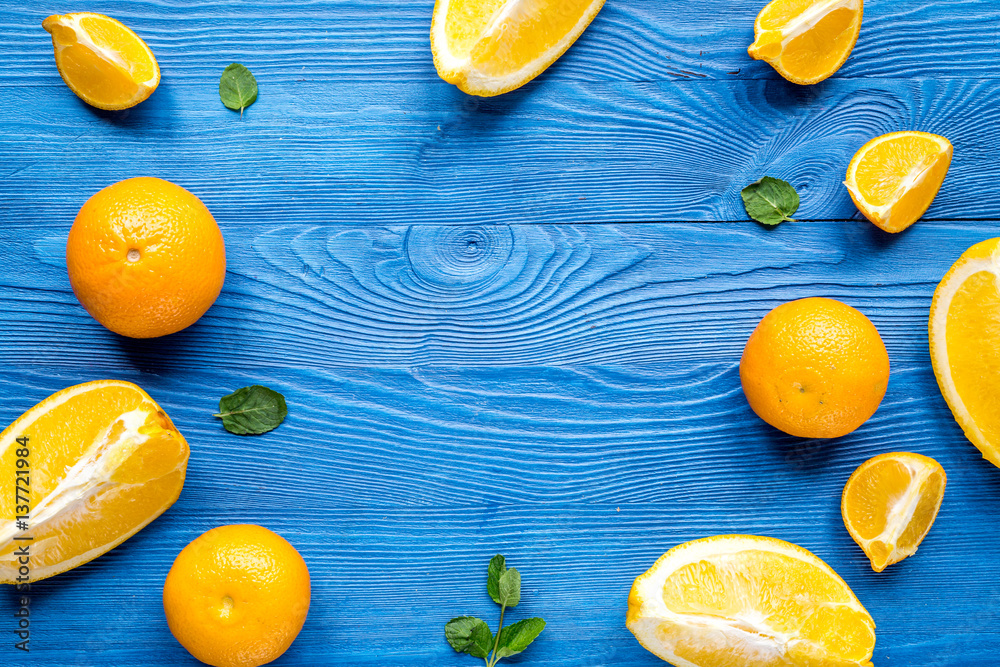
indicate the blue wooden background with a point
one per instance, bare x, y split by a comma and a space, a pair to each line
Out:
502, 325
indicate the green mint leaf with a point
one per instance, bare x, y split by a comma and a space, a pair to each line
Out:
252, 410
468, 634
510, 588
237, 87
770, 200
515, 638
496, 570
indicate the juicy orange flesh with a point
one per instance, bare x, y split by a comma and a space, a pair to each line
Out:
874, 493
972, 329
767, 595
818, 50
806, 40
105, 63
110, 36
466, 23
877, 502
888, 164
137, 479
779, 14
931, 492
502, 36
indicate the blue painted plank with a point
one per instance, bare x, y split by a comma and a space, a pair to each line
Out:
325, 296
388, 40
565, 394
398, 486
377, 153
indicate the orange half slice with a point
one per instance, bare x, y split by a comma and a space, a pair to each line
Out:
107, 65
890, 503
807, 41
100, 461
489, 47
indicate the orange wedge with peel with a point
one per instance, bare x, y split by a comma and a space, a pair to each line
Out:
100, 460
489, 47
101, 60
806, 41
964, 331
746, 601
890, 503
894, 178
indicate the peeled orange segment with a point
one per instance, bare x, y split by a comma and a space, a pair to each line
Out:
745, 601
489, 47
103, 460
107, 65
964, 334
806, 41
894, 178
890, 503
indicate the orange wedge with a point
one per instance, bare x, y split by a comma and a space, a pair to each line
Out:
889, 504
964, 334
107, 65
894, 178
100, 460
746, 601
806, 41
489, 47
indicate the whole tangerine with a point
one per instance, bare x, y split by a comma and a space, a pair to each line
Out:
237, 596
145, 257
815, 368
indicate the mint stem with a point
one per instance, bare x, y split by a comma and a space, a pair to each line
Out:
494, 660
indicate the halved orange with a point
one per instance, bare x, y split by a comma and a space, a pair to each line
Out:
964, 331
747, 601
890, 503
100, 460
894, 178
806, 41
106, 64
489, 47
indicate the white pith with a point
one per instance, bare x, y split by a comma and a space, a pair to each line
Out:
912, 179
475, 80
752, 632
91, 474
939, 335
808, 19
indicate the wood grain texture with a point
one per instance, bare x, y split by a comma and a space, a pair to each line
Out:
321, 297
322, 152
479, 351
388, 40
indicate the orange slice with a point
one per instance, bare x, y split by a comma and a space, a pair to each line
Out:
488, 47
964, 334
107, 65
806, 41
894, 178
740, 600
101, 461
890, 503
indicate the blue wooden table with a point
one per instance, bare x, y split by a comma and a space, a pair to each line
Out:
502, 325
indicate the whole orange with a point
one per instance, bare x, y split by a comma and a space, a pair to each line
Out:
237, 596
145, 257
815, 368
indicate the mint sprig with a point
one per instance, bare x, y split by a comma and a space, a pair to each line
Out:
252, 410
770, 200
468, 634
237, 87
